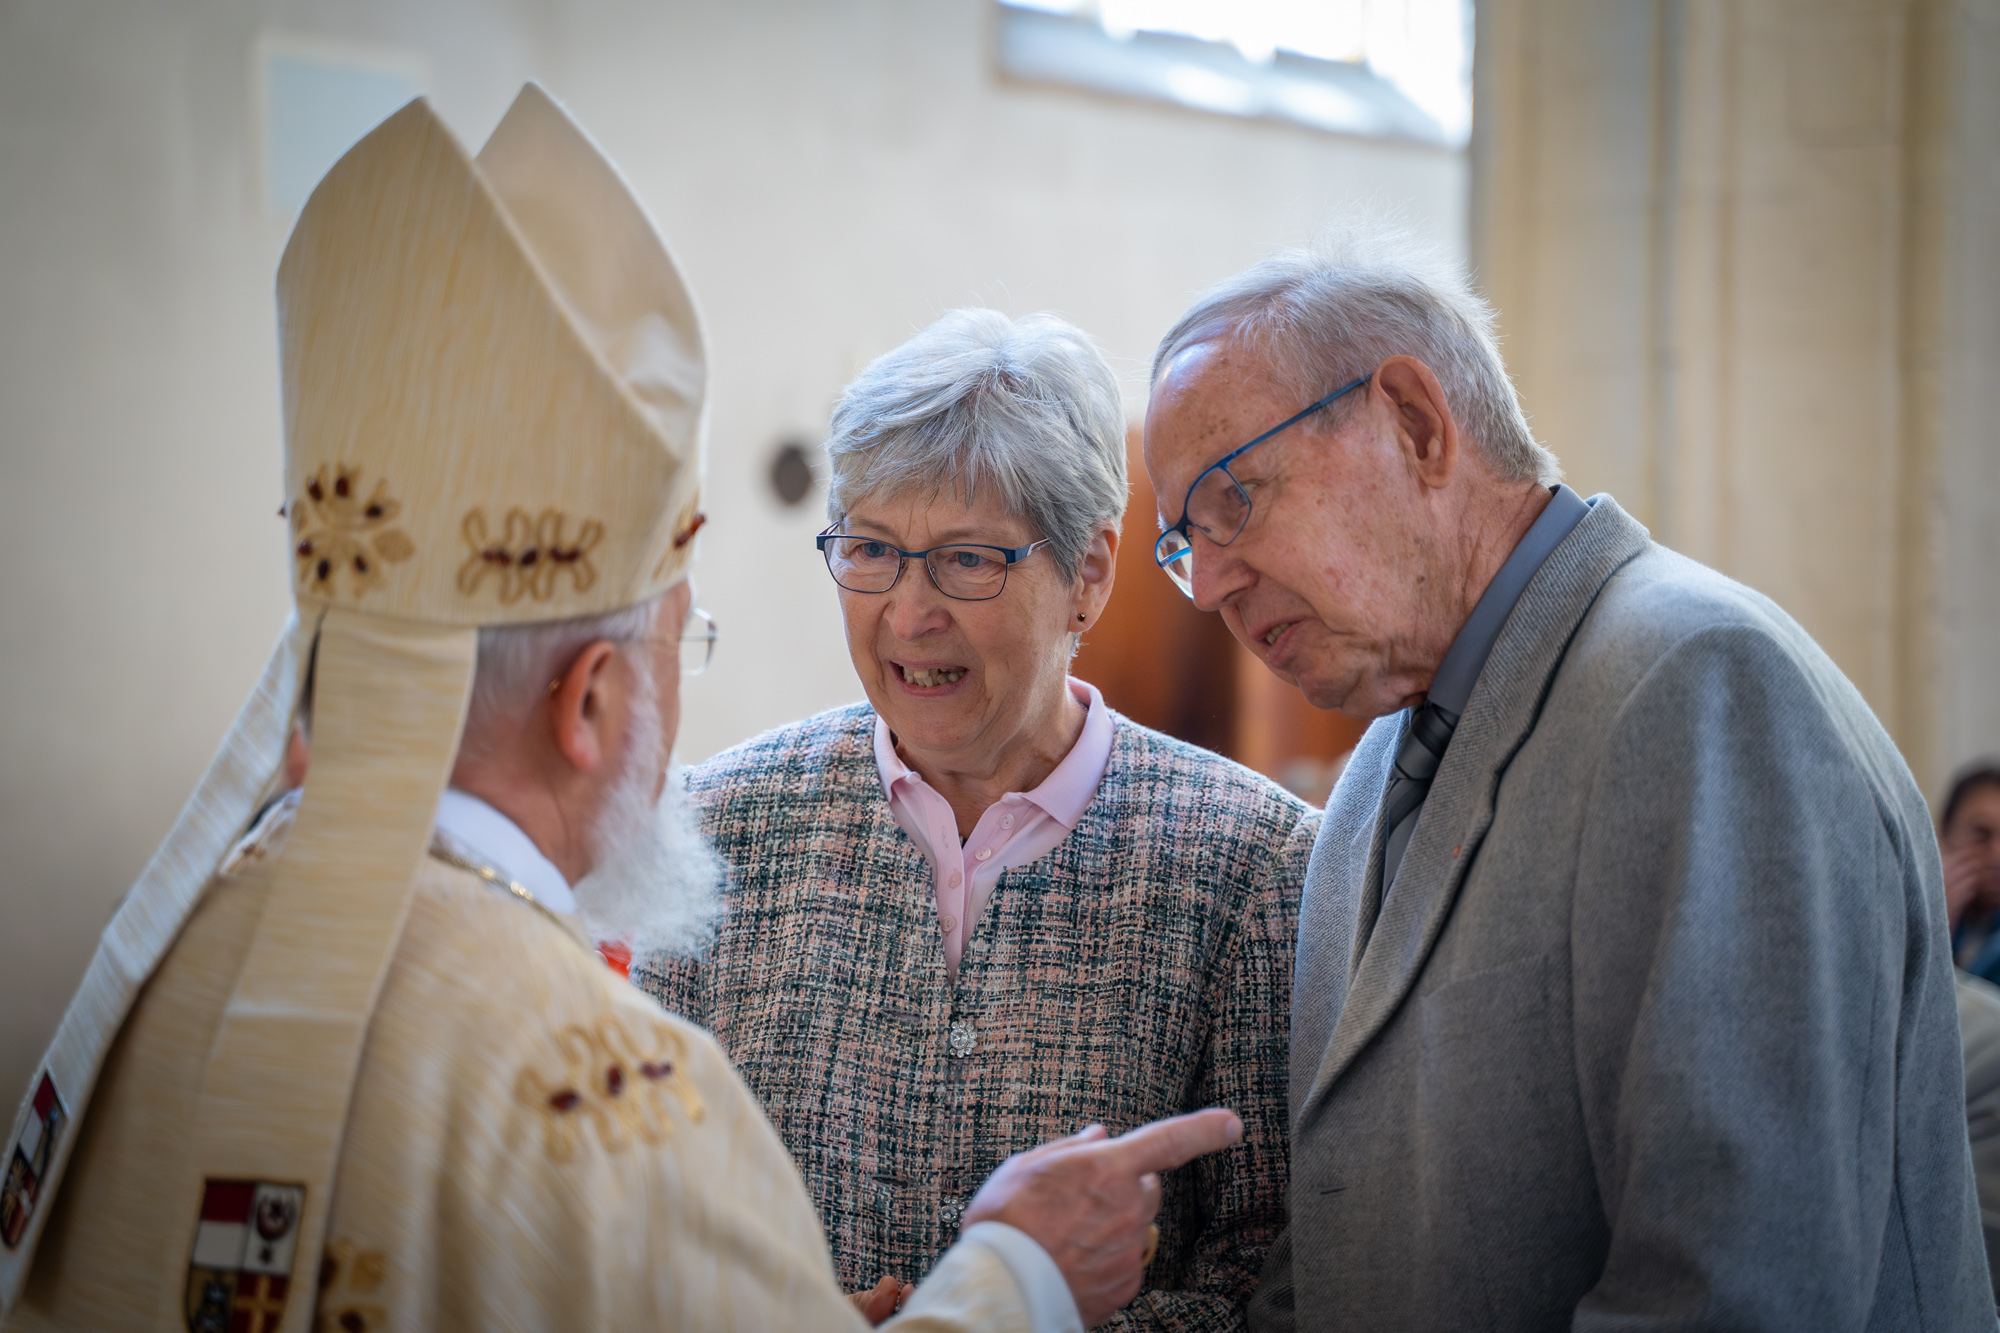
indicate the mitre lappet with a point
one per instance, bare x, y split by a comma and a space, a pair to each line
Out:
493, 394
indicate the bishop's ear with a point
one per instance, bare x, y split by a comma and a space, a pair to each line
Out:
1424, 423
579, 708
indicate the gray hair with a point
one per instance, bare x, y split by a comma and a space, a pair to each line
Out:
1322, 316
517, 662
1026, 406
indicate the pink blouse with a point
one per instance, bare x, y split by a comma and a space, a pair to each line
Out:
1016, 829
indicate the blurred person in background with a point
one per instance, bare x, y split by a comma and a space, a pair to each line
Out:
983, 909
1624, 989
1979, 1038
1969, 838
364, 1071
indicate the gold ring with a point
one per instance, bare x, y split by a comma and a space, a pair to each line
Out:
1152, 1243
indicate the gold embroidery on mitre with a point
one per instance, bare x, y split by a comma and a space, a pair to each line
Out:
347, 1271
690, 522
528, 554
615, 1084
335, 532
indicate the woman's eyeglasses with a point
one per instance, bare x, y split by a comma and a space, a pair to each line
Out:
962, 571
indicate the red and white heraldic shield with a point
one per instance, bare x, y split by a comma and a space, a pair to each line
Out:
241, 1268
28, 1164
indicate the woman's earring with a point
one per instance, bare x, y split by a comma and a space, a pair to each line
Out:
1080, 615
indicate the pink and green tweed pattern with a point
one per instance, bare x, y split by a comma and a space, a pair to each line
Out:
1141, 968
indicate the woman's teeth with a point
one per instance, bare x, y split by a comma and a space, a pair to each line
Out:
1276, 630
930, 676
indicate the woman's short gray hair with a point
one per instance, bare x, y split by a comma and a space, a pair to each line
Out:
1025, 406
1328, 314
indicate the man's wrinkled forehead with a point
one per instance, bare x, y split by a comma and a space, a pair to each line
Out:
1206, 400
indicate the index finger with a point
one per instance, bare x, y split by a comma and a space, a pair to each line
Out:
1175, 1141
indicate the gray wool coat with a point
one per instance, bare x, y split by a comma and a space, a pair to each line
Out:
1656, 1029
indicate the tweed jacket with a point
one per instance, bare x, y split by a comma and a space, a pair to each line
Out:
1655, 1028
1139, 969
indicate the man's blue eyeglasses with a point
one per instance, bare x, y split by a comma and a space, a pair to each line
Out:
1217, 505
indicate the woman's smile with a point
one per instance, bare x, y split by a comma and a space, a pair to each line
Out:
929, 680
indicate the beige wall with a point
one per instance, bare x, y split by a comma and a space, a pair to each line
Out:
832, 175
1745, 257
1965, 361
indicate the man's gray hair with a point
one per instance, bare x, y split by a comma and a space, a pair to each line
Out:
1027, 407
517, 662
1322, 316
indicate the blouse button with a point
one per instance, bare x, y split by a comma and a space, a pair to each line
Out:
985, 854
948, 924
1006, 821
956, 879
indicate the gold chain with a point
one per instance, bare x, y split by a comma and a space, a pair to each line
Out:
496, 879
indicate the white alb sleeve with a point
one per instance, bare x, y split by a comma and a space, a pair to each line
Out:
1045, 1292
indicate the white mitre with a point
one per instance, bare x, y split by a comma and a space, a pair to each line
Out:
494, 393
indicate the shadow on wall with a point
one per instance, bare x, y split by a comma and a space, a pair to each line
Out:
1170, 666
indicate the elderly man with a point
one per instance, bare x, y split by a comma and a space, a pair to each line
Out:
1623, 995
364, 1072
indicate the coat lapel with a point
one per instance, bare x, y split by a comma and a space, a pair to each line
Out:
1336, 909
1390, 951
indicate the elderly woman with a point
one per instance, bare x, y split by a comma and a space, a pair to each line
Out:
982, 909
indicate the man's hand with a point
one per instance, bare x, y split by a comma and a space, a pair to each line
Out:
887, 1297
1087, 1199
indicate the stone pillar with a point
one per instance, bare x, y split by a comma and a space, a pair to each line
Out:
1743, 252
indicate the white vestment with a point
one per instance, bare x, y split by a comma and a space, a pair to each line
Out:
532, 1144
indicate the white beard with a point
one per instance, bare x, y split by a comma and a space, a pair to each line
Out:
655, 884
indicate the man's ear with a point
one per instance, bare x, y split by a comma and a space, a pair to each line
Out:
579, 709
1424, 423
1094, 576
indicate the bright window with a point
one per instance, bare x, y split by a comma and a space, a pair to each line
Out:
1395, 68
317, 98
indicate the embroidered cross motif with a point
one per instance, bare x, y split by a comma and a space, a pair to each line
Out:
612, 1082
528, 555
336, 532
261, 1300
346, 1272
